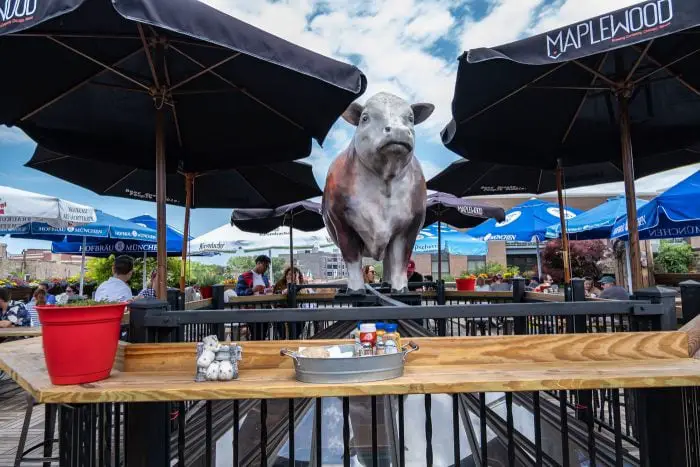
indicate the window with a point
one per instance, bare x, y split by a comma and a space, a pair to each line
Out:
445, 257
474, 263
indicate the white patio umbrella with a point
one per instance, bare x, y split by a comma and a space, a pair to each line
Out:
19, 207
230, 239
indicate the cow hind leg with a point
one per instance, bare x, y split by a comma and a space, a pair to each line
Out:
356, 282
398, 261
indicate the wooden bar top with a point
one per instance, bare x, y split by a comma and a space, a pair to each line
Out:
165, 372
23, 331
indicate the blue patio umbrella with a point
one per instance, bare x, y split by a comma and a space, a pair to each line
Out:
596, 223
453, 242
109, 246
105, 226
673, 214
526, 222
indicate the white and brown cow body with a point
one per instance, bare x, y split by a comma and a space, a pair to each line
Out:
375, 194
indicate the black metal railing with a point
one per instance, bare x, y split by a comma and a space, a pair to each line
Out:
592, 427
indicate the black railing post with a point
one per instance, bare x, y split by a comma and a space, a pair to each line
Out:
576, 293
176, 299
665, 297
663, 427
77, 441
577, 325
690, 299
147, 430
519, 322
217, 297
441, 300
138, 333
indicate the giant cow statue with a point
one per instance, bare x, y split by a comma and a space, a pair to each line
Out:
375, 195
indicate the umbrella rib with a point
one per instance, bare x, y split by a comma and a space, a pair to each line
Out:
674, 74
481, 177
664, 67
243, 91
539, 180
119, 181
147, 49
596, 73
639, 60
174, 110
74, 36
77, 86
511, 94
204, 71
53, 159
98, 62
580, 105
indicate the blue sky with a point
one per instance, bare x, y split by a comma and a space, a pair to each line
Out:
406, 47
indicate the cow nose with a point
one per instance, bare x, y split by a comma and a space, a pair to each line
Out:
387, 129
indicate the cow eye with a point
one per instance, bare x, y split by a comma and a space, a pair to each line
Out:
365, 118
410, 118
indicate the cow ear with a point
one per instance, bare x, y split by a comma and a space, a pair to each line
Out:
352, 113
421, 112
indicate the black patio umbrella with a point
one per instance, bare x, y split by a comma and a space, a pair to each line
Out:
457, 212
585, 93
302, 215
478, 178
124, 80
266, 186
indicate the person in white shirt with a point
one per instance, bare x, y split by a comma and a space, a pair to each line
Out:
116, 288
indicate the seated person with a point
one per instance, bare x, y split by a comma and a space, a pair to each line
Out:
481, 285
590, 289
255, 280
282, 285
116, 288
150, 290
38, 299
12, 314
545, 283
612, 291
413, 276
369, 274
498, 285
50, 298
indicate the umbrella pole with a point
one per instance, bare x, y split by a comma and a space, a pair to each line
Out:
539, 258
189, 182
630, 196
82, 266
272, 273
562, 219
629, 267
291, 248
161, 289
439, 251
144, 279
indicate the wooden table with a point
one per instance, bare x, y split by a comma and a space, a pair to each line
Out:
20, 332
165, 372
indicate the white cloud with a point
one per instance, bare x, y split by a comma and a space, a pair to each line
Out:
12, 135
391, 41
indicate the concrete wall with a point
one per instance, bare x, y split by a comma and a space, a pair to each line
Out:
497, 253
458, 264
39, 269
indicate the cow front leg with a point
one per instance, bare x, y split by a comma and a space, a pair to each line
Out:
398, 262
356, 282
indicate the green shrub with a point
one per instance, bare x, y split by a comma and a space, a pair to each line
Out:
675, 257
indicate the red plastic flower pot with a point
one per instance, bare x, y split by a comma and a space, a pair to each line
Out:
207, 291
80, 342
466, 285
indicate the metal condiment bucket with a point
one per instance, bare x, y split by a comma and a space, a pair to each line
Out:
349, 369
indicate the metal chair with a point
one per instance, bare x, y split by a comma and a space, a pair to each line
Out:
47, 443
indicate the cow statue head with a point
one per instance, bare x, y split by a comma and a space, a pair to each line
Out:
385, 135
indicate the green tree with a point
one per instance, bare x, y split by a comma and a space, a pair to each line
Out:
675, 257
100, 269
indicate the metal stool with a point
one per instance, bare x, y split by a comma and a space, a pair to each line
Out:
47, 443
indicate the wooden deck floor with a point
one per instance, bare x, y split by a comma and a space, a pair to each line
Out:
13, 404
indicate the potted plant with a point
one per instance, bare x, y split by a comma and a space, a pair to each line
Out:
466, 281
80, 339
206, 284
